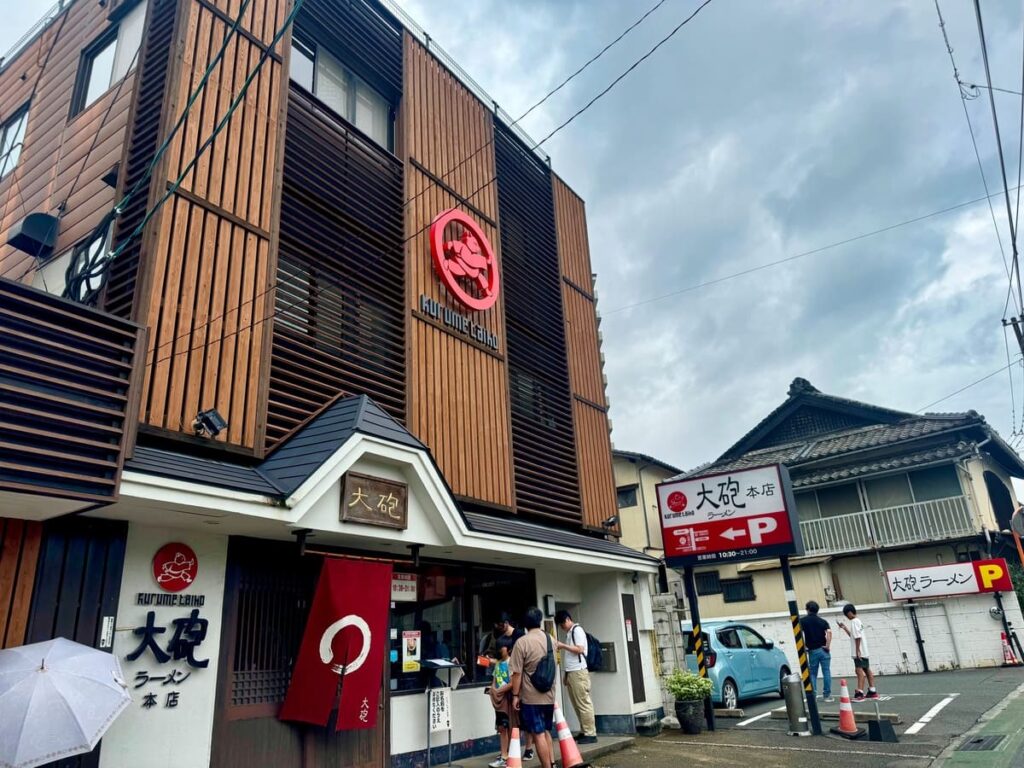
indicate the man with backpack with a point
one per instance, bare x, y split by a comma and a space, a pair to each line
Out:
577, 674
533, 683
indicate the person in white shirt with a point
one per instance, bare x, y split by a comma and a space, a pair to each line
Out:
861, 658
577, 677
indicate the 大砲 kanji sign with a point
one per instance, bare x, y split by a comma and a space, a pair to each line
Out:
946, 580
731, 517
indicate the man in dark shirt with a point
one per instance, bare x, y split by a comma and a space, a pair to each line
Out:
818, 639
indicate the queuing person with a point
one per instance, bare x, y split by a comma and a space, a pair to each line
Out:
500, 692
818, 640
536, 709
861, 654
577, 676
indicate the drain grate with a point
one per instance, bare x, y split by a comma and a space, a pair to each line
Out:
982, 743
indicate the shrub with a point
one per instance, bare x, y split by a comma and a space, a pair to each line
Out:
686, 686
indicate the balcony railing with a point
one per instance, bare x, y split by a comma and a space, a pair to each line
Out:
69, 380
890, 527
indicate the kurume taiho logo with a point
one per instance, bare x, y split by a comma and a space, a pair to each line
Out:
466, 265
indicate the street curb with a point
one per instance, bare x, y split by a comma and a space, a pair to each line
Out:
602, 750
984, 720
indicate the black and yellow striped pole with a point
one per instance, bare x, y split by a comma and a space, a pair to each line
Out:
801, 649
698, 639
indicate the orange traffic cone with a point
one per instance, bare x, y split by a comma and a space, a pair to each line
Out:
515, 751
571, 757
1009, 659
847, 725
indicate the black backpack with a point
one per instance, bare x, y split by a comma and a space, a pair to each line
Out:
543, 676
593, 657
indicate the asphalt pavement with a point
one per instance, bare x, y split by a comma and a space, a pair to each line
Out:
935, 711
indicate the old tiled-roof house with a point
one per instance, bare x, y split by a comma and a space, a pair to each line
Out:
875, 489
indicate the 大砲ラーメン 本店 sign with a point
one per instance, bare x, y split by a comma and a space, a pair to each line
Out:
946, 580
730, 517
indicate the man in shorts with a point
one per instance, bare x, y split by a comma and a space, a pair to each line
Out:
861, 660
536, 709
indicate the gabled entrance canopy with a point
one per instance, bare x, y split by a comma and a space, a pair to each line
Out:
299, 487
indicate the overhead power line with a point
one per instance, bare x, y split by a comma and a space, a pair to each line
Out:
288, 307
444, 176
796, 256
986, 377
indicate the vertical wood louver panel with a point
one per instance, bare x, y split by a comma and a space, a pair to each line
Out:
340, 317
19, 551
586, 370
204, 284
155, 57
543, 444
458, 401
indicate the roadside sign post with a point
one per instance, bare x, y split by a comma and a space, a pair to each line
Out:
698, 640
798, 636
733, 517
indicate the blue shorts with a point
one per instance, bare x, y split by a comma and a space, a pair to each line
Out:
536, 718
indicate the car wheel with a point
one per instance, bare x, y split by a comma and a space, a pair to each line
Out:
782, 673
730, 695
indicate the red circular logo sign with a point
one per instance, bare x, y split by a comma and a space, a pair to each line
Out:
466, 266
677, 501
175, 567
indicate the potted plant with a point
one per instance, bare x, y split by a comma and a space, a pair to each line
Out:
689, 691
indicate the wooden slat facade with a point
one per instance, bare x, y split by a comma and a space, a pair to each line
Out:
543, 442
57, 148
209, 260
458, 391
586, 370
19, 552
69, 377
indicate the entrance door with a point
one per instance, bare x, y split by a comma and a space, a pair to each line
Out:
268, 592
636, 665
77, 585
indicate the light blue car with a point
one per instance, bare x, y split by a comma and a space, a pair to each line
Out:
741, 663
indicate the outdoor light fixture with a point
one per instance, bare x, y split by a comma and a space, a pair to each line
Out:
611, 522
549, 605
636, 577
209, 423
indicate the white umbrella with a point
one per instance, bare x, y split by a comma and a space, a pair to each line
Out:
57, 699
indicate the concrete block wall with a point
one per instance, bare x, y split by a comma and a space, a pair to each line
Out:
668, 638
958, 633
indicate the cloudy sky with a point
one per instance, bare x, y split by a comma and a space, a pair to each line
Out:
765, 129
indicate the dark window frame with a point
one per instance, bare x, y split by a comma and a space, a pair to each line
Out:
15, 117
85, 64
732, 597
704, 587
625, 489
311, 49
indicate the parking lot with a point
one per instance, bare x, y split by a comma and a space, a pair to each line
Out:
934, 709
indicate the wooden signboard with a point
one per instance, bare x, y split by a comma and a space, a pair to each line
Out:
374, 501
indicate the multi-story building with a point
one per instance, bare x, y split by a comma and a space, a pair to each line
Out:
875, 489
258, 259
636, 475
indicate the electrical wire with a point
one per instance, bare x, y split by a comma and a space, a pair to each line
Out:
794, 257
981, 167
986, 377
999, 146
444, 176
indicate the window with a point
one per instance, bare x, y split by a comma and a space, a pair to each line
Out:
885, 492
455, 609
323, 75
708, 583
807, 505
729, 638
108, 59
626, 496
839, 500
935, 483
87, 267
12, 136
751, 639
738, 590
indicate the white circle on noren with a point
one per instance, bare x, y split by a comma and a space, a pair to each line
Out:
327, 639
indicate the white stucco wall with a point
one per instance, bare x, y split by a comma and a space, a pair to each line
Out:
162, 736
968, 638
